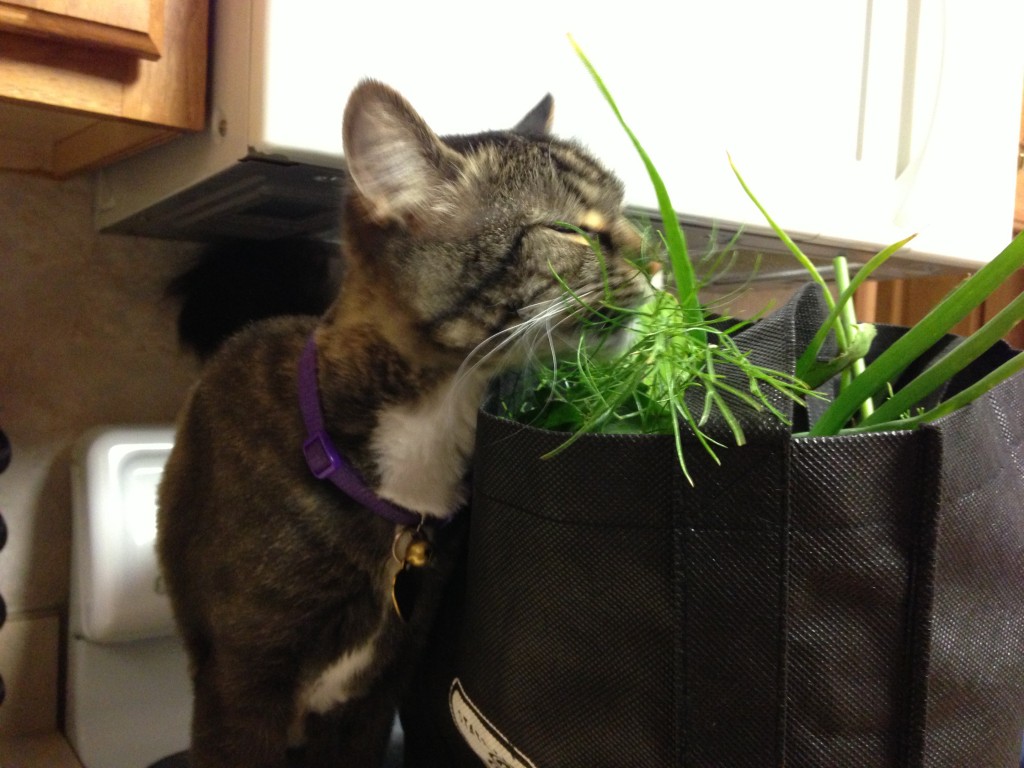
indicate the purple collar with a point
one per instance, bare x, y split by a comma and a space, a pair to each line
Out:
323, 458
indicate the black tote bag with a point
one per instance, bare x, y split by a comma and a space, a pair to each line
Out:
845, 601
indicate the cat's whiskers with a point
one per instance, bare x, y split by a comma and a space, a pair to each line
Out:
537, 317
433, 436
520, 342
516, 342
502, 343
445, 431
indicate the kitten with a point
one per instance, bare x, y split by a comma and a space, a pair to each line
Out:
281, 583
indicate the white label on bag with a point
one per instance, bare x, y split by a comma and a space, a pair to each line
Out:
489, 744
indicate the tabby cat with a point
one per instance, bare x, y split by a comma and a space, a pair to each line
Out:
281, 583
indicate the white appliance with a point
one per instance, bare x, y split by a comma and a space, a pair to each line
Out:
128, 694
857, 122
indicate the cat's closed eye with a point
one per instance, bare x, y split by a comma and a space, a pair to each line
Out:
584, 234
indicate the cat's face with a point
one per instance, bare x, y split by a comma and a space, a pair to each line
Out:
478, 233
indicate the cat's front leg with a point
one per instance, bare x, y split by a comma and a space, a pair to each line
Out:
240, 717
354, 734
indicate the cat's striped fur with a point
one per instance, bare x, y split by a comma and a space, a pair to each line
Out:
280, 583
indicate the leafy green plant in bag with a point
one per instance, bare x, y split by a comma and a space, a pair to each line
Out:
669, 376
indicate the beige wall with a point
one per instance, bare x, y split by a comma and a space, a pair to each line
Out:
86, 338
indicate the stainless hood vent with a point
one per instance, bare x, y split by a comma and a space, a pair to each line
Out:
257, 198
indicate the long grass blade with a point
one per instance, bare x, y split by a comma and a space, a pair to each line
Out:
950, 364
966, 396
808, 358
888, 366
800, 256
675, 240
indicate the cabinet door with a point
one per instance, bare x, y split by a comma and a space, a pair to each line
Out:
130, 26
859, 121
66, 108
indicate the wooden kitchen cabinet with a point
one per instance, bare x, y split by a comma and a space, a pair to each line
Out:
130, 26
86, 82
1018, 211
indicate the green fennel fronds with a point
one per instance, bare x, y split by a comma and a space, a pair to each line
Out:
664, 380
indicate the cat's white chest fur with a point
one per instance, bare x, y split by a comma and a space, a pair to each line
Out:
422, 448
334, 685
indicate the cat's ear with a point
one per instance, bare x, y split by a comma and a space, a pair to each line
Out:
538, 120
398, 164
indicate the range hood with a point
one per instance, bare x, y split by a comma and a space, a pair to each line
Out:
856, 123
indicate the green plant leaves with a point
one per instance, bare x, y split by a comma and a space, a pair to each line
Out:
680, 371
951, 310
675, 240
